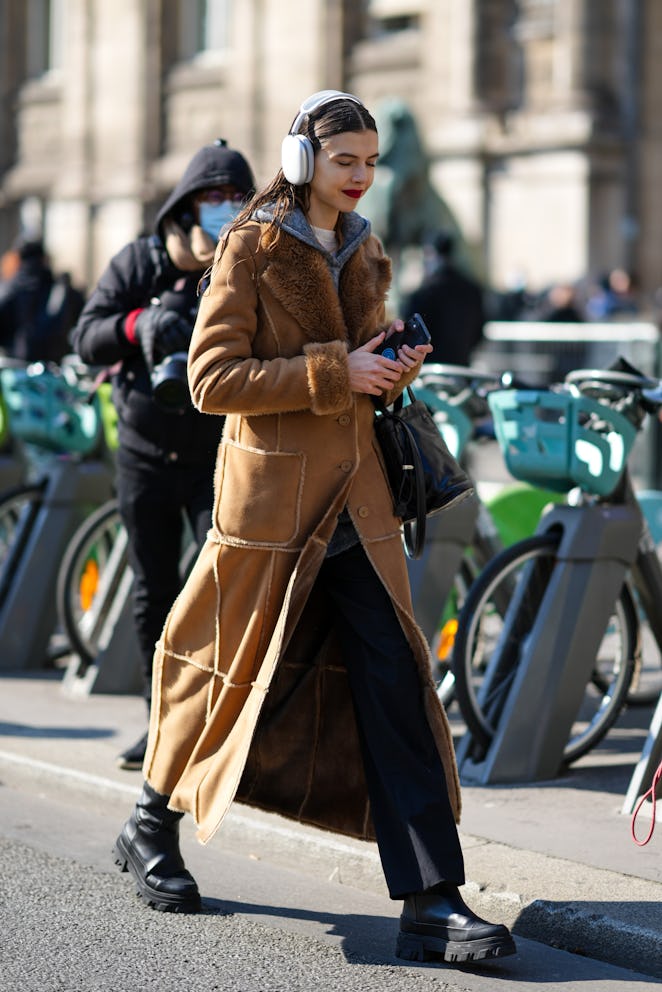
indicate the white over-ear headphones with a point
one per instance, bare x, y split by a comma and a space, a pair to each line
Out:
297, 154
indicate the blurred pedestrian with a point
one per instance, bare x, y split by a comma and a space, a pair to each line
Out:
451, 304
560, 305
37, 308
614, 296
291, 672
139, 321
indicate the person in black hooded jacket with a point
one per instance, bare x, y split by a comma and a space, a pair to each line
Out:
138, 321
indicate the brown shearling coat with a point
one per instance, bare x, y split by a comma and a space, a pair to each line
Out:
250, 697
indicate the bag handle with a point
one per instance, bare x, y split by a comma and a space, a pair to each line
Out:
398, 402
414, 531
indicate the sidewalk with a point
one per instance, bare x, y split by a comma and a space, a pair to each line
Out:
554, 860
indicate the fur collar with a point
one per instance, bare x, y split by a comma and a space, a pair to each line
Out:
326, 315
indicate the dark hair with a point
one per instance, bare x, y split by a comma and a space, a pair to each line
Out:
29, 247
337, 117
444, 243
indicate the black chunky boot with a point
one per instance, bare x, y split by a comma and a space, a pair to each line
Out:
438, 924
148, 847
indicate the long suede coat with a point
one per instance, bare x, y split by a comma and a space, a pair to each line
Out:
250, 695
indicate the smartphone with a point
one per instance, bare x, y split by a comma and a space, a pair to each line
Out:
415, 332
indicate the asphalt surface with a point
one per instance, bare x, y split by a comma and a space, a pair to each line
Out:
72, 923
554, 860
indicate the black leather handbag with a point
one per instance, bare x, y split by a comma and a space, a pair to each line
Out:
424, 476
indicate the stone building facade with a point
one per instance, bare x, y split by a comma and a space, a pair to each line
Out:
538, 117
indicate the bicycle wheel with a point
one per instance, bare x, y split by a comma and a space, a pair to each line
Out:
18, 510
444, 639
528, 565
92, 569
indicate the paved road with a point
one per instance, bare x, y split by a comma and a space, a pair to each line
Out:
72, 923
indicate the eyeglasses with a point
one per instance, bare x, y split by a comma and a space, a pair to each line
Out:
219, 195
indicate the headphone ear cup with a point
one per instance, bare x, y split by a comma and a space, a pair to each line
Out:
297, 159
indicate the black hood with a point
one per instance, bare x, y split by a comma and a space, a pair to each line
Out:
213, 165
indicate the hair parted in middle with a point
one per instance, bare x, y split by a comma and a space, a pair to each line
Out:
336, 117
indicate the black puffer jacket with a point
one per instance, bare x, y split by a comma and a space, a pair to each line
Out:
139, 272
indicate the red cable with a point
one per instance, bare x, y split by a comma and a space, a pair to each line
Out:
657, 778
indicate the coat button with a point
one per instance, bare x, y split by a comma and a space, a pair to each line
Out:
346, 466
363, 511
344, 419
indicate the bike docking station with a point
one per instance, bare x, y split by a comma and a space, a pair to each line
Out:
28, 614
106, 655
432, 576
557, 655
12, 466
554, 623
109, 626
452, 393
12, 462
47, 412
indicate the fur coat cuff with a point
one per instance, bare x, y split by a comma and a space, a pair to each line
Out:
328, 377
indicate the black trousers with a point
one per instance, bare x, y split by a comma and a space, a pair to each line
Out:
416, 832
153, 496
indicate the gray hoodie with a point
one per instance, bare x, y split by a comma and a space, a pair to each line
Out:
354, 229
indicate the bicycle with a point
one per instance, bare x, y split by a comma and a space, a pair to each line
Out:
53, 414
94, 584
462, 540
557, 607
12, 461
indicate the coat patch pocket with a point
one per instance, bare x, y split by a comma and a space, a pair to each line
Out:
259, 495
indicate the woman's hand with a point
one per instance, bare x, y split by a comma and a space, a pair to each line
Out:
370, 373
408, 357
411, 357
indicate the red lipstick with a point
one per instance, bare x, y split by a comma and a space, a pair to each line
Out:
354, 193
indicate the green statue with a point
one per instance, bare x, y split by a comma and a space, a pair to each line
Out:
402, 204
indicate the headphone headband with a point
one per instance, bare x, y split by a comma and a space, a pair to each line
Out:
297, 153
317, 100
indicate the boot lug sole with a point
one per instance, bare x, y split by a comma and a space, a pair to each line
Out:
417, 947
160, 901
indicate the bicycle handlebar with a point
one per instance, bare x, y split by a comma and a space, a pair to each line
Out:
458, 372
622, 380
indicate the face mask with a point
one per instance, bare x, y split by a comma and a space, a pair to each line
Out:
214, 216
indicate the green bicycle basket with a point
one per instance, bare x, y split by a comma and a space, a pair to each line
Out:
45, 410
559, 440
452, 422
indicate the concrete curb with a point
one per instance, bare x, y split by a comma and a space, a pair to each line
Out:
600, 914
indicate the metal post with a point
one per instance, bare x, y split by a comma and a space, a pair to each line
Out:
12, 472
650, 759
557, 658
28, 616
117, 667
431, 576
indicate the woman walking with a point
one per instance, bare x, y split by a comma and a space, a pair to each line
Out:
291, 674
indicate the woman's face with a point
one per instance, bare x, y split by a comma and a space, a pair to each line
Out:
344, 170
